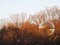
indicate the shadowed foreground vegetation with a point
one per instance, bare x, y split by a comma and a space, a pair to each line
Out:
29, 32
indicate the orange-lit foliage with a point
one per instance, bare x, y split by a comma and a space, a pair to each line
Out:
28, 25
57, 25
27, 33
30, 28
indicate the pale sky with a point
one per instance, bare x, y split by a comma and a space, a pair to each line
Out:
8, 7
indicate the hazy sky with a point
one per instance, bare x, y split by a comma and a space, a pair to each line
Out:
8, 7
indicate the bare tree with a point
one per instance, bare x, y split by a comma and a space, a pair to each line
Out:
52, 13
18, 19
33, 19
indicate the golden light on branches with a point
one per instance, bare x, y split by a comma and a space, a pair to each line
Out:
48, 28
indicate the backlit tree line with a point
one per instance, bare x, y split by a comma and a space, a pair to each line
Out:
42, 28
